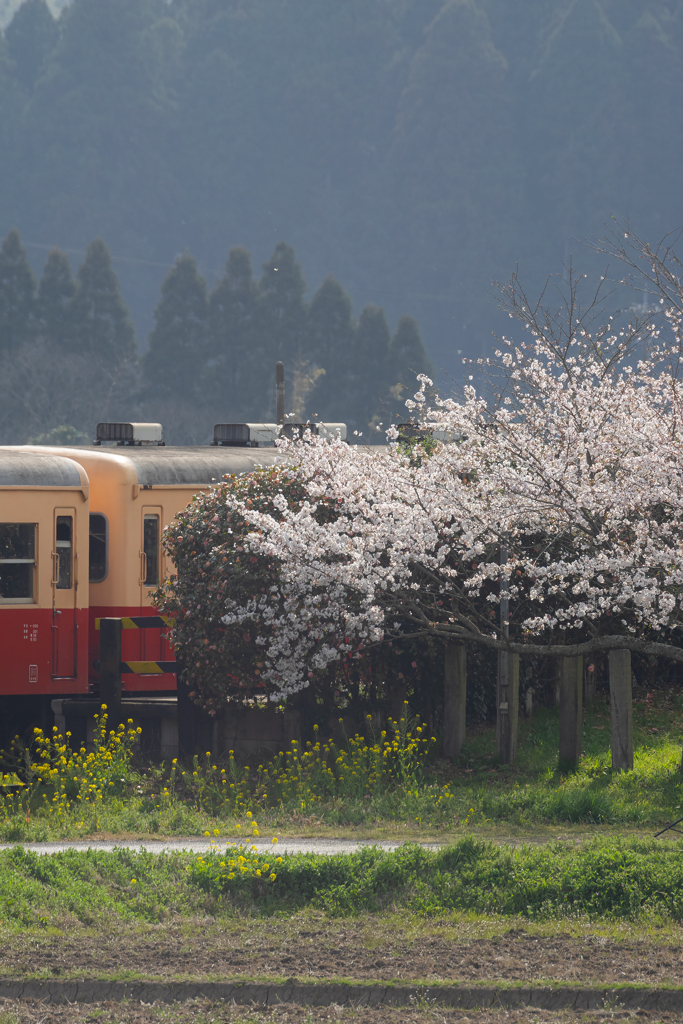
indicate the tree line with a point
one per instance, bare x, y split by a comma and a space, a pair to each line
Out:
211, 354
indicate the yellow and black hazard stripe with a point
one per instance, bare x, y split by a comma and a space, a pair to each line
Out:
147, 668
143, 622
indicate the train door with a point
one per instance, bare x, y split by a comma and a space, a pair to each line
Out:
64, 584
151, 644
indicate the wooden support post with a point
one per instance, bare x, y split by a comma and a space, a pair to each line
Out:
507, 713
622, 710
571, 718
110, 668
187, 713
454, 699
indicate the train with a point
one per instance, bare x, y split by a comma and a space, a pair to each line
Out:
80, 539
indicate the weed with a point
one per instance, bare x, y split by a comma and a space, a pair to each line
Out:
388, 783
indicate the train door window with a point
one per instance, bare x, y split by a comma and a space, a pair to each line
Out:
17, 562
98, 552
150, 550
64, 544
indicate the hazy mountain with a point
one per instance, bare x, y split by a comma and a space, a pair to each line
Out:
414, 149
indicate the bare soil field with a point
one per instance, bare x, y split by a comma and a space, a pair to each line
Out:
348, 950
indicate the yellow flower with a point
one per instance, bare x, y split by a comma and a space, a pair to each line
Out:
275, 839
133, 881
273, 877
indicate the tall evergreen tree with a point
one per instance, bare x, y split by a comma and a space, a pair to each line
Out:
408, 358
31, 38
373, 369
177, 344
17, 294
235, 362
281, 308
100, 322
54, 307
330, 343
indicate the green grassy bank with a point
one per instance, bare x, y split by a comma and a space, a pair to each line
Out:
620, 879
388, 785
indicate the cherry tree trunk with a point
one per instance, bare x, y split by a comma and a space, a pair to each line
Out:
454, 699
622, 710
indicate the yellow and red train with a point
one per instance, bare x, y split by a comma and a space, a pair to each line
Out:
80, 539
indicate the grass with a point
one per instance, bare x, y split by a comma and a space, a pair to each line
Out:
388, 786
627, 879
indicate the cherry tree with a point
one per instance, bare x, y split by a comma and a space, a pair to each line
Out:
563, 495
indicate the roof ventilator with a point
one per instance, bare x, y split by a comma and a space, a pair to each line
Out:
411, 430
132, 435
245, 435
296, 431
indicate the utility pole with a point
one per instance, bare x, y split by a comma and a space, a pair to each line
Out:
280, 393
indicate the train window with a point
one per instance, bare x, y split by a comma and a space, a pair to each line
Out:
99, 543
64, 551
150, 547
17, 562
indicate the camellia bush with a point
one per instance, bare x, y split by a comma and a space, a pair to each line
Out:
215, 565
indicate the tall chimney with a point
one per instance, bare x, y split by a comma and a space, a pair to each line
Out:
280, 392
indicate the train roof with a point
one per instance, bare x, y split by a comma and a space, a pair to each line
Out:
158, 466
21, 468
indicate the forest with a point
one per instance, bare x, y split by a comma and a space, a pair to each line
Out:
69, 358
416, 150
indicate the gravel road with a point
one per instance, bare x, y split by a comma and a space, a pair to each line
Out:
195, 845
